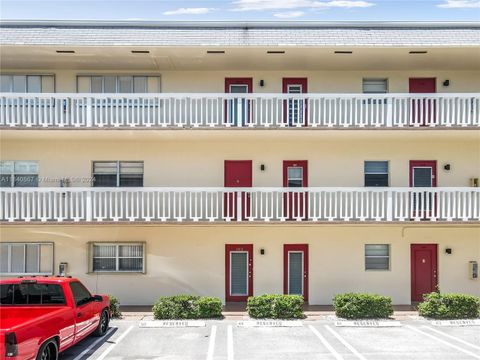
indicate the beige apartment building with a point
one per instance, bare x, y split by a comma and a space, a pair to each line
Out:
237, 159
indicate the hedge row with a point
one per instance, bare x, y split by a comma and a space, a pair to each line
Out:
187, 307
349, 306
449, 306
362, 306
275, 307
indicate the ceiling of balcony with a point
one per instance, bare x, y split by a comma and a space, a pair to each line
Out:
197, 58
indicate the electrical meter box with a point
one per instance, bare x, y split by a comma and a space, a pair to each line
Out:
473, 270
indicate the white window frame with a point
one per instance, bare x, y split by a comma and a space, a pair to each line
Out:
303, 267
375, 173
13, 173
117, 84
117, 174
39, 244
364, 80
231, 271
26, 80
117, 257
294, 178
389, 257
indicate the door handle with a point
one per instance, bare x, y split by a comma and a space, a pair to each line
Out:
79, 314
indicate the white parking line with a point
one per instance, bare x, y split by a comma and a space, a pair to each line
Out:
444, 342
325, 343
110, 348
453, 337
344, 342
92, 345
230, 342
211, 343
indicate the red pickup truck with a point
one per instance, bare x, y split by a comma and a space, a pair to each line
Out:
42, 316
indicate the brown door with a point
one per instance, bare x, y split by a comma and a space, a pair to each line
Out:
238, 173
424, 269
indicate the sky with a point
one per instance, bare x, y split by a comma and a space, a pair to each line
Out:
242, 10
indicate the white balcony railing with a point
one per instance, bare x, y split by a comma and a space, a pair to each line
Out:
239, 204
239, 110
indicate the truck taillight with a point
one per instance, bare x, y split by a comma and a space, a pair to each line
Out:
11, 347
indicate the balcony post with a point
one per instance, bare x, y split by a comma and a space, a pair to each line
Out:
88, 206
239, 206
88, 109
389, 112
389, 205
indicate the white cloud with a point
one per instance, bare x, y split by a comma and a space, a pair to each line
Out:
459, 4
249, 5
188, 11
289, 14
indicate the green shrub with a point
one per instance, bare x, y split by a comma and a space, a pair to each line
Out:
362, 306
209, 307
275, 307
449, 306
115, 307
187, 307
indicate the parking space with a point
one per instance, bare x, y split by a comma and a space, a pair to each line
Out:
319, 339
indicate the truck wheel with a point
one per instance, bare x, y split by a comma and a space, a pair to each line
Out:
48, 351
102, 324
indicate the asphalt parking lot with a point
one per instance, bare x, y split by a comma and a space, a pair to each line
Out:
319, 339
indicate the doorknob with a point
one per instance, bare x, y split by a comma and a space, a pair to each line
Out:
79, 314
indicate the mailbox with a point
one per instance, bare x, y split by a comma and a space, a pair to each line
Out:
473, 270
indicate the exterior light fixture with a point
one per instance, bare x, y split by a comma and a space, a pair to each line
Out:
446, 83
262, 166
448, 251
262, 84
447, 167
262, 251
65, 51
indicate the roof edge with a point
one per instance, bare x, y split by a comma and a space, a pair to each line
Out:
240, 24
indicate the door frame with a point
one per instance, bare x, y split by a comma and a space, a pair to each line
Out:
434, 270
245, 117
245, 211
286, 82
290, 197
287, 248
423, 163
229, 248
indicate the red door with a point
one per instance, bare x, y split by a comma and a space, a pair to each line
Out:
424, 269
295, 110
295, 270
238, 272
237, 110
238, 173
295, 175
423, 173
423, 110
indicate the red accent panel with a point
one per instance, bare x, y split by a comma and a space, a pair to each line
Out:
239, 81
293, 205
422, 85
238, 173
424, 163
304, 249
424, 270
238, 247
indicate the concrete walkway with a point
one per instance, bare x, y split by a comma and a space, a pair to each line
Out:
237, 311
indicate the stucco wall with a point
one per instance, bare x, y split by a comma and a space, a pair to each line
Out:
191, 259
318, 81
333, 161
